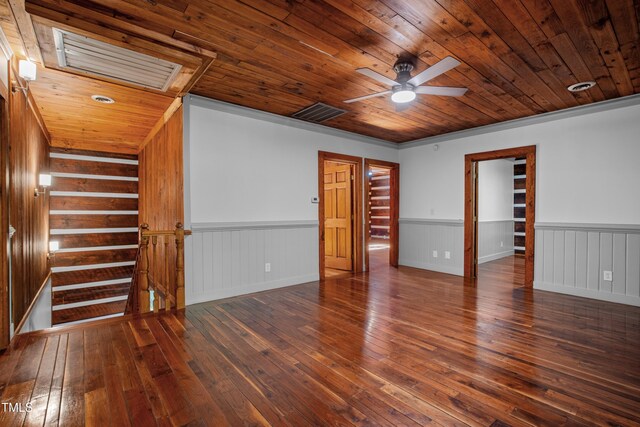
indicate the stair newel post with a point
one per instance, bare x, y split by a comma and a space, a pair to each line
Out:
167, 274
179, 266
143, 278
154, 269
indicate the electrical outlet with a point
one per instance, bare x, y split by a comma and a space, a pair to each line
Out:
502, 244
608, 276
447, 255
435, 254
267, 267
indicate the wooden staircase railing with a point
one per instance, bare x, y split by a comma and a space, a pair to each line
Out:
156, 284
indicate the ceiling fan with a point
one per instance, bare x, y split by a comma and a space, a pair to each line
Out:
405, 88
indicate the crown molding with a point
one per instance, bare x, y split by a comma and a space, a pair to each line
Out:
226, 107
611, 104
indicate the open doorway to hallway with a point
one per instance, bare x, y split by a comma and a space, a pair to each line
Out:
488, 241
499, 259
379, 205
381, 212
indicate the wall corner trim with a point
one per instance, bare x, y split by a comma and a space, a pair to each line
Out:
186, 159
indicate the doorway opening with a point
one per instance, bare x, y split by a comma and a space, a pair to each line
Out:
499, 227
381, 213
339, 214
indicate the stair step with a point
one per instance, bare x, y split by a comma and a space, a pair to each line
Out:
88, 312
91, 275
89, 294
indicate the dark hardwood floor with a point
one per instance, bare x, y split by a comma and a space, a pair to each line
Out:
507, 271
393, 347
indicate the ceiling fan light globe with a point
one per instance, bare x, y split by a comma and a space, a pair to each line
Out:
403, 96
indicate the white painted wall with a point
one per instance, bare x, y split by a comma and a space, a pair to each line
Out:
40, 316
495, 190
247, 169
251, 179
587, 169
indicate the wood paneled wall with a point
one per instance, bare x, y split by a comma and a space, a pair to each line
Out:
29, 156
161, 179
94, 217
4, 205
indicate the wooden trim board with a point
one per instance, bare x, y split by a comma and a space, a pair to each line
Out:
470, 207
357, 212
394, 182
4, 225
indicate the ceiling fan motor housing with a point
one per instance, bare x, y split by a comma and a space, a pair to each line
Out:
403, 87
403, 70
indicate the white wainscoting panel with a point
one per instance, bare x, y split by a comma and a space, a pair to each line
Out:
228, 259
572, 259
419, 238
495, 240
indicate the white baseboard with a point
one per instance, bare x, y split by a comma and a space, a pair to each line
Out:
494, 257
588, 293
249, 289
458, 271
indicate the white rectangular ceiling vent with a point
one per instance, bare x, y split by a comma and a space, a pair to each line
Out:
91, 56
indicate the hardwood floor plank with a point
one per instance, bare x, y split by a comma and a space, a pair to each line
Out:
72, 403
136, 400
42, 388
390, 347
55, 396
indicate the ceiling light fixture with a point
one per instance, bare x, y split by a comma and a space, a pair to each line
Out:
579, 87
102, 99
403, 93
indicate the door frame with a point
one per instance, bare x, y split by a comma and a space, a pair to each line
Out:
471, 207
356, 195
5, 286
394, 211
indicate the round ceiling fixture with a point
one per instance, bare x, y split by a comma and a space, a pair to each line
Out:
403, 93
579, 87
102, 99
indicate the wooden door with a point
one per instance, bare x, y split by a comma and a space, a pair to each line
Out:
338, 216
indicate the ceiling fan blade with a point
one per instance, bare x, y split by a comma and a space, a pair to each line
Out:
362, 98
377, 76
441, 90
403, 106
434, 71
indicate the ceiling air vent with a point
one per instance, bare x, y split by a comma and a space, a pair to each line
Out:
80, 53
318, 113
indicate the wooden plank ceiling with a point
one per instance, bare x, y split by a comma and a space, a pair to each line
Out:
63, 97
74, 120
518, 56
